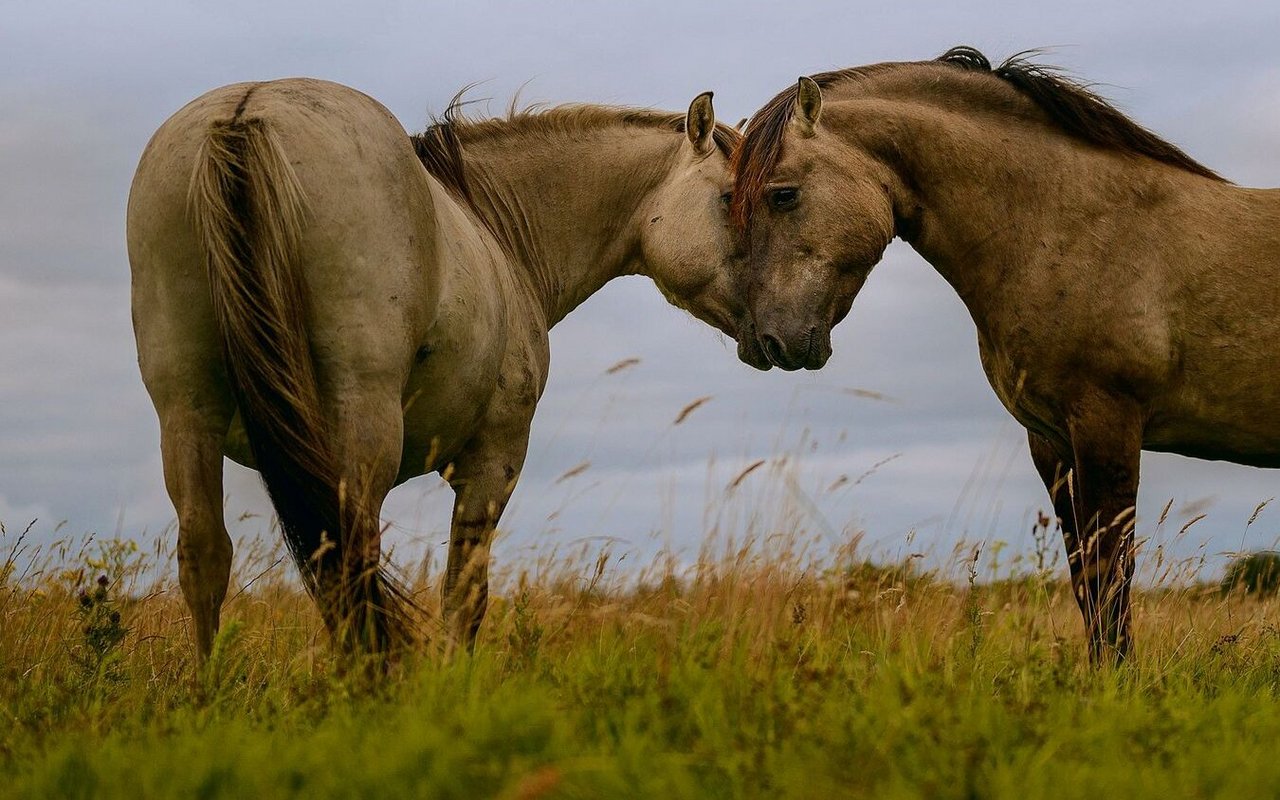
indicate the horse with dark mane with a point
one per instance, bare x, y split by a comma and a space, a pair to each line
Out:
1125, 296
343, 307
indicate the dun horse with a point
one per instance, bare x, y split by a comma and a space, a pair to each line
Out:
343, 307
1125, 296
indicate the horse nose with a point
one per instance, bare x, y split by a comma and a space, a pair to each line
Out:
776, 350
773, 349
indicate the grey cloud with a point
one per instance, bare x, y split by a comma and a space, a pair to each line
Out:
85, 86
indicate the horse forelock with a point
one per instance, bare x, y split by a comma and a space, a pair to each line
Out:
1069, 104
758, 154
760, 149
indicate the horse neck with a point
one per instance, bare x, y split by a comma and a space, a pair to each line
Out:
981, 194
566, 207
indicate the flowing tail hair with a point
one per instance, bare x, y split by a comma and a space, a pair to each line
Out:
248, 207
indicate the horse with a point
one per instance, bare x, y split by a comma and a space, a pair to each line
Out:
341, 306
1126, 297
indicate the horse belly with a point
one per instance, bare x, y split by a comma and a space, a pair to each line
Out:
1223, 400
445, 401
1223, 422
461, 368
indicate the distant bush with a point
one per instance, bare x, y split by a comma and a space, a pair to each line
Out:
1255, 573
874, 578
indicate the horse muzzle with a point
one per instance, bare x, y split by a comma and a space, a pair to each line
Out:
809, 350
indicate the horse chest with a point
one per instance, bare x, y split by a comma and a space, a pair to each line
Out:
1019, 385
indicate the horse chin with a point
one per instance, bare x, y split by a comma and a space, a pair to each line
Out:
749, 353
819, 349
817, 362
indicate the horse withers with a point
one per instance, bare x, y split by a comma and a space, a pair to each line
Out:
342, 307
1125, 296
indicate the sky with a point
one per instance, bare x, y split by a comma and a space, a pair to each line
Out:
898, 441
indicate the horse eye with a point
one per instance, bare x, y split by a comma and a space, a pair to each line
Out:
726, 199
784, 199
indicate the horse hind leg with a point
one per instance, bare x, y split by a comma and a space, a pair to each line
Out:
372, 612
191, 449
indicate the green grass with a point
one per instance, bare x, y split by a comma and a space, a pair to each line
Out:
755, 675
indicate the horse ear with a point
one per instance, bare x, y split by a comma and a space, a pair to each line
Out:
700, 124
808, 106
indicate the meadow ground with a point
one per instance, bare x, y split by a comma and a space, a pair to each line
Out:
757, 672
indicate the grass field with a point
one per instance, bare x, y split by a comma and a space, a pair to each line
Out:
755, 673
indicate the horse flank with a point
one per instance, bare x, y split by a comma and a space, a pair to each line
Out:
1068, 104
248, 208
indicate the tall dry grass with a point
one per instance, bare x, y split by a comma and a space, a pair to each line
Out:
770, 665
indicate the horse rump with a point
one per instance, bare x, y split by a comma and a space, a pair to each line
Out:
248, 207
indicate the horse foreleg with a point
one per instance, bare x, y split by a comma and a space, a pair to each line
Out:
191, 449
1055, 472
482, 479
1106, 439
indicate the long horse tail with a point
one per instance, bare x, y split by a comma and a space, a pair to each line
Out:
249, 208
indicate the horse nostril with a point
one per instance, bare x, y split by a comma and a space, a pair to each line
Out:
772, 347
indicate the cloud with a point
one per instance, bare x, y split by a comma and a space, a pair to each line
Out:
78, 440
16, 519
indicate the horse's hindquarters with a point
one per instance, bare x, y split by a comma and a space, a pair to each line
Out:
179, 350
366, 255
282, 242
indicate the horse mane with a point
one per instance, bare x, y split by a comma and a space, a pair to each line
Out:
1069, 104
1076, 109
440, 147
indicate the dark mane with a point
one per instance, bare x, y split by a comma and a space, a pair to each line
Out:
1069, 104
440, 147
440, 150
1077, 110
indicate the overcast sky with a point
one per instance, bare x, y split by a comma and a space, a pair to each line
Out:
83, 85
